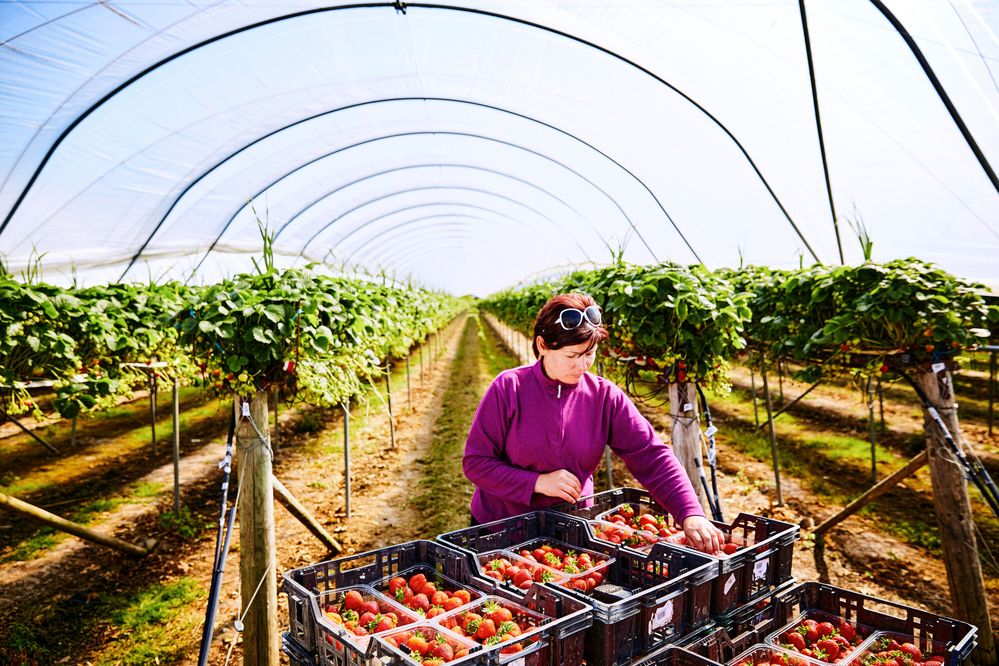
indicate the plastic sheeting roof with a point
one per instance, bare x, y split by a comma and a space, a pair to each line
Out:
472, 145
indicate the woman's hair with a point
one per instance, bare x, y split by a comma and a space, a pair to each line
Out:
547, 327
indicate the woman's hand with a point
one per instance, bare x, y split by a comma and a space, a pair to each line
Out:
702, 535
560, 483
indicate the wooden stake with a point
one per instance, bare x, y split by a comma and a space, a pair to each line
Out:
870, 431
257, 551
63, 525
152, 406
388, 392
773, 435
176, 446
756, 410
686, 435
346, 453
953, 508
303, 516
409, 387
872, 494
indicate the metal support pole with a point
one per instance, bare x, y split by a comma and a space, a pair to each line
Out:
881, 404
756, 410
176, 446
780, 382
870, 431
346, 456
409, 387
388, 391
773, 436
421, 365
152, 406
31, 434
607, 451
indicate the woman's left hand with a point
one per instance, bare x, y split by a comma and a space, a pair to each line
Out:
702, 535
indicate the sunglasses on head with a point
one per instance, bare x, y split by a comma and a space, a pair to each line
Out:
571, 318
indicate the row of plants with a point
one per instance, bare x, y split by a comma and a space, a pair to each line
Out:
681, 323
324, 338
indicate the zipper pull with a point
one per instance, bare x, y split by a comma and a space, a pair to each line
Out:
559, 396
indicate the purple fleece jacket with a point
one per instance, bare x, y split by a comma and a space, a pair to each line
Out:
528, 424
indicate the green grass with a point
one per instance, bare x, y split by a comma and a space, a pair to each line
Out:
28, 549
153, 624
444, 491
17, 486
184, 523
147, 489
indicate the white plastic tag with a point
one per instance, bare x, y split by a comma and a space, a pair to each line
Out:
710, 432
729, 583
938, 367
246, 409
662, 617
760, 569
687, 406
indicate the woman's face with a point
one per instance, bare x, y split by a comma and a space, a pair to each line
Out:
568, 364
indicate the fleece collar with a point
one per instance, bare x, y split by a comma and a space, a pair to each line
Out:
551, 385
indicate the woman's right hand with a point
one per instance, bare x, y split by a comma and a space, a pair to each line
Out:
560, 483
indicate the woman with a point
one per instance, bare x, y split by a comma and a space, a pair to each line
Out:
539, 432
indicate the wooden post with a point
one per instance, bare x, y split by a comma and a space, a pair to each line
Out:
346, 454
176, 446
421, 365
870, 431
63, 525
257, 551
409, 386
388, 392
773, 435
953, 508
298, 510
686, 435
752, 382
152, 405
877, 491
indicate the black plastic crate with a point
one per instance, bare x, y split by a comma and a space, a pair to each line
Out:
760, 567
645, 601
673, 655
308, 587
925, 629
297, 655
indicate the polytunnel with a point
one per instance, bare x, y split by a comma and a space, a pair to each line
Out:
471, 145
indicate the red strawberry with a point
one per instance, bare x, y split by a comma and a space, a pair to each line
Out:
419, 601
846, 630
486, 629
825, 628
353, 600
795, 640
417, 582
396, 583
829, 647
910, 650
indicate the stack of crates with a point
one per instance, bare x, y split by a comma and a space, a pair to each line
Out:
645, 600
554, 638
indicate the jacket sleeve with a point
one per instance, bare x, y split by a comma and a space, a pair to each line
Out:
485, 462
650, 460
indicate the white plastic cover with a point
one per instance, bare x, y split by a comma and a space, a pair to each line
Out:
475, 145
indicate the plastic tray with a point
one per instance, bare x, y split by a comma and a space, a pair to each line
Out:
307, 586
645, 601
853, 632
762, 655
550, 575
890, 641
332, 624
527, 644
398, 648
760, 567
601, 560
925, 628
440, 582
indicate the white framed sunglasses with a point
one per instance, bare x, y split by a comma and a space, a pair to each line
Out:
571, 318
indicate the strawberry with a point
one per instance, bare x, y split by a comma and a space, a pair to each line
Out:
911, 651
353, 600
825, 628
416, 582
417, 644
464, 595
433, 661
486, 629
419, 601
438, 598
847, 631
829, 647
795, 640
370, 607
442, 649
395, 584
451, 604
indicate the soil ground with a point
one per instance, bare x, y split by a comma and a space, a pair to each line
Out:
63, 600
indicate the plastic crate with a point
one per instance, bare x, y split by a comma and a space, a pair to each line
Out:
392, 648
889, 641
673, 655
925, 629
761, 565
555, 639
307, 587
645, 601
297, 655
